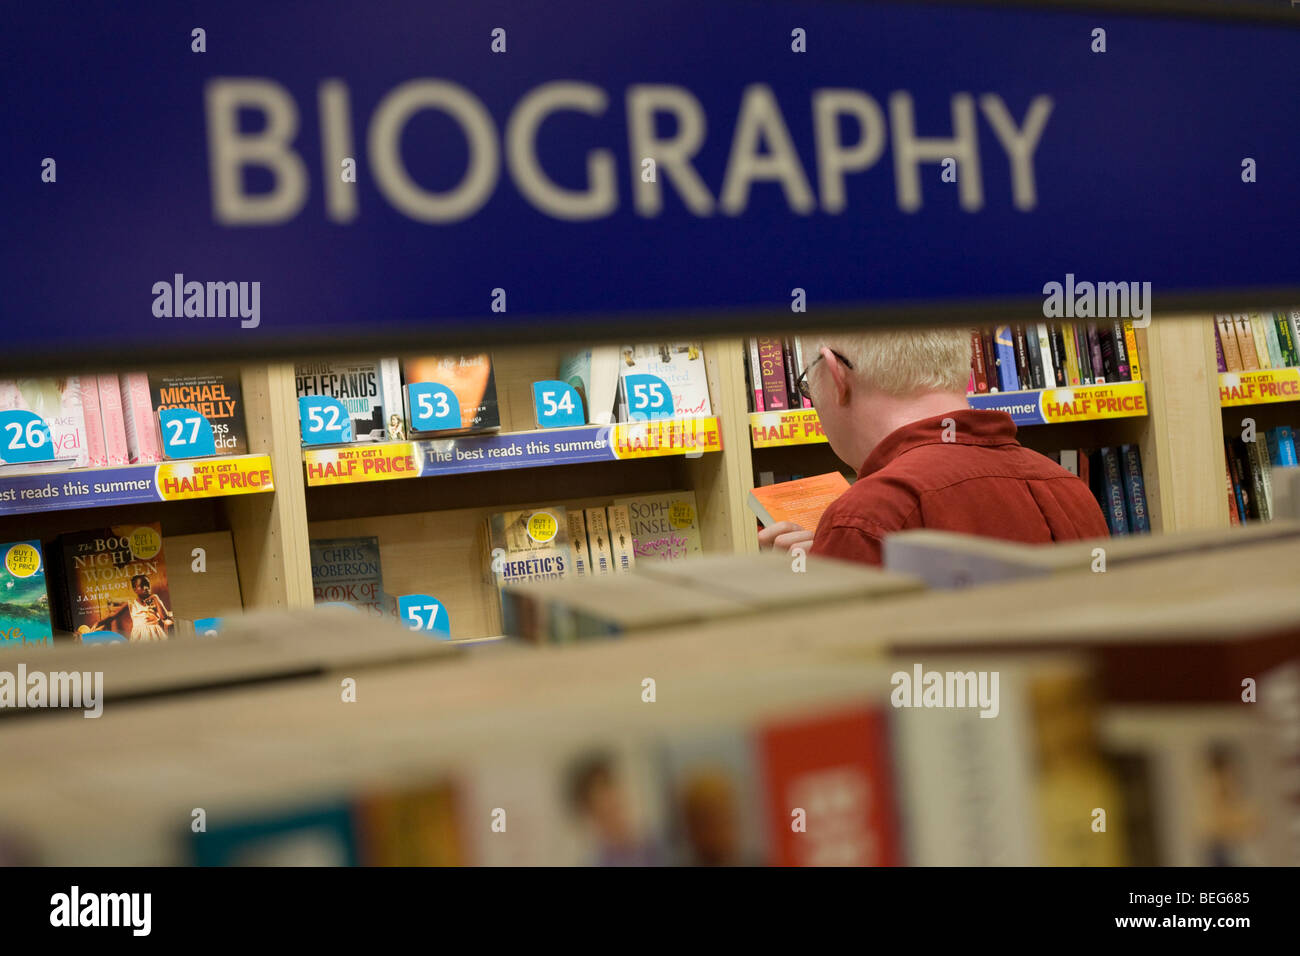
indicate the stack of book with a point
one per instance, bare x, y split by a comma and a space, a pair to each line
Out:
1245, 342
599, 375
1250, 470
1039, 355
1114, 476
772, 367
107, 419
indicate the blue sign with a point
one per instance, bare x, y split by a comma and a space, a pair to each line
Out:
24, 437
186, 433
648, 397
557, 404
268, 178
434, 407
428, 615
207, 627
323, 420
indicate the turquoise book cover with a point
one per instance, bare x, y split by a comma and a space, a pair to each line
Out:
24, 601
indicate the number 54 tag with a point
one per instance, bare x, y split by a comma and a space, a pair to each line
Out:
557, 405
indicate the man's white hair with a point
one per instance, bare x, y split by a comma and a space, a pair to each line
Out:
902, 363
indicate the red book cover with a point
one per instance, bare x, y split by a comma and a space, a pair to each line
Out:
771, 363
836, 768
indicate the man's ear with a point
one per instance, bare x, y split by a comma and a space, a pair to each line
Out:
839, 376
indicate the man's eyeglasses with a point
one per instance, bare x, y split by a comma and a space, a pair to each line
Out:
802, 383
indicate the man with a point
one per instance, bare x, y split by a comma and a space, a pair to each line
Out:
893, 404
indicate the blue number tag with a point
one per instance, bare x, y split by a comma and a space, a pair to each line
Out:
434, 407
648, 397
186, 434
103, 637
24, 437
557, 405
323, 420
420, 612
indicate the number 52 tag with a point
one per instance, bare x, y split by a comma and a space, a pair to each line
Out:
323, 420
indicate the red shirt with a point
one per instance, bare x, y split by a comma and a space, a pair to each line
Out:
983, 482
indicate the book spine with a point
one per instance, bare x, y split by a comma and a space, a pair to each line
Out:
602, 557
1256, 467
96, 447
1249, 492
578, 541
142, 441
1114, 489
1035, 356
390, 378
772, 374
1268, 348
110, 409
756, 376
620, 539
1286, 341
1057, 341
1024, 369
1006, 359
1045, 354
1234, 473
1099, 374
800, 365
1246, 343
978, 368
1218, 350
1073, 368
792, 395
1294, 319
1228, 339
992, 363
1122, 370
1135, 492
1265, 463
1130, 340
1233, 517
1286, 453
1109, 364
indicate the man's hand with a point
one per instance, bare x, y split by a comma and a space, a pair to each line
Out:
783, 536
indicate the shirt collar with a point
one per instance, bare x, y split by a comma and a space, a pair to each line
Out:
973, 427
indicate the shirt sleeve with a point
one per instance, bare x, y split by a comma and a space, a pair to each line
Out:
847, 543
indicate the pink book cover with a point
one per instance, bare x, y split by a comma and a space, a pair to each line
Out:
142, 440
58, 402
96, 453
110, 410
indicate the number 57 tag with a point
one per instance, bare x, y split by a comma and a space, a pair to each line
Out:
425, 614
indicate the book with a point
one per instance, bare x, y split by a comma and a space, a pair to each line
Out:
390, 381
1135, 496
24, 600
1233, 516
1119, 343
1056, 340
803, 501
315, 835
1218, 350
1246, 342
801, 364
593, 373
1261, 480
715, 800
1286, 340
1004, 342
58, 402
1265, 345
533, 545
620, 539
110, 410
1130, 343
977, 364
755, 375
357, 385
1234, 476
664, 527
837, 769
1113, 485
471, 379
1281, 446
1073, 371
216, 395
1026, 367
771, 370
992, 360
1044, 345
792, 372
681, 367
96, 450
602, 557
143, 443
114, 579
409, 826
578, 541
1087, 372
1228, 340
349, 571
